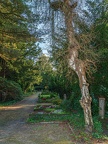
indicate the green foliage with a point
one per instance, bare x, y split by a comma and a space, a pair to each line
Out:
28, 94
96, 14
45, 96
95, 107
77, 120
38, 107
47, 92
94, 104
13, 26
7, 103
99, 86
10, 90
66, 105
18, 49
48, 117
57, 101
97, 128
60, 82
72, 102
28, 75
45, 68
54, 80
51, 97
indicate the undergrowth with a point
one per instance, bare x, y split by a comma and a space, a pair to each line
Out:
75, 120
8, 103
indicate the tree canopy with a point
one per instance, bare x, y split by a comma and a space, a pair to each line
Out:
18, 48
76, 36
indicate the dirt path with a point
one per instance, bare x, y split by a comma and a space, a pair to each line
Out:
15, 130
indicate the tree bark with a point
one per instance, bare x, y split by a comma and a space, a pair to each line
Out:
78, 65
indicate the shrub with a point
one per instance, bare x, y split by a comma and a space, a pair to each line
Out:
97, 128
9, 90
53, 95
71, 104
44, 96
45, 92
57, 101
77, 120
47, 96
66, 105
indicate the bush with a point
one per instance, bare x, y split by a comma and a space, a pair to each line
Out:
71, 104
9, 90
44, 96
66, 105
57, 101
98, 130
45, 92
47, 96
52, 94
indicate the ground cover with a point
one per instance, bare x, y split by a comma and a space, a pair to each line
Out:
44, 112
15, 130
49, 97
8, 103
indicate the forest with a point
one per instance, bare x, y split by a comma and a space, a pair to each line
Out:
60, 46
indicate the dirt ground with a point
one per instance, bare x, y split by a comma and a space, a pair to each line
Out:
15, 130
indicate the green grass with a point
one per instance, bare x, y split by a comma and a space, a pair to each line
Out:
44, 96
15, 101
75, 120
8, 103
47, 118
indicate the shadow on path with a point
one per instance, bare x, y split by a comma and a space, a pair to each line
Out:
15, 130
17, 112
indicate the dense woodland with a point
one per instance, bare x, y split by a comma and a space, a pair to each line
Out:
25, 68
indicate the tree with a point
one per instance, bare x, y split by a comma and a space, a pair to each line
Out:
18, 48
45, 69
97, 13
76, 64
13, 30
79, 54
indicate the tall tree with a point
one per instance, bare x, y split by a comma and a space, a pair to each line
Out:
97, 12
45, 69
13, 30
75, 63
18, 49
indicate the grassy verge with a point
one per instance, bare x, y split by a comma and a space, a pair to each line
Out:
8, 103
48, 117
76, 121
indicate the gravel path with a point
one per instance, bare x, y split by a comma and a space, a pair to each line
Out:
15, 130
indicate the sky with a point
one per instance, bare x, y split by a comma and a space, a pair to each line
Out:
45, 26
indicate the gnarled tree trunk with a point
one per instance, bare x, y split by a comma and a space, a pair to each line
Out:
78, 65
